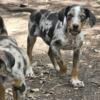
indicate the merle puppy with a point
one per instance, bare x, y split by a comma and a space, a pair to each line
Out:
60, 30
14, 65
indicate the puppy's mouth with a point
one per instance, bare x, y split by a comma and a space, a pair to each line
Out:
74, 32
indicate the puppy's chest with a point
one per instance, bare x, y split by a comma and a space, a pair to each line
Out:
71, 42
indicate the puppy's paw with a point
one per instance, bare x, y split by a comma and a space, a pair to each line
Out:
77, 83
30, 73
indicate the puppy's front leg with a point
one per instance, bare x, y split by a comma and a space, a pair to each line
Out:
53, 60
30, 43
74, 80
2, 92
19, 90
57, 55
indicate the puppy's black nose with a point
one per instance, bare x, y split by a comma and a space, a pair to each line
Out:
75, 26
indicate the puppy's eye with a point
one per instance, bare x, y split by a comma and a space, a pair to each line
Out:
70, 15
83, 17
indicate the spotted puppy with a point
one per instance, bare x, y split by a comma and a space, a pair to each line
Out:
60, 30
14, 65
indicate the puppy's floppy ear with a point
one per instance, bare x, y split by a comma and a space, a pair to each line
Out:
63, 13
3, 30
90, 15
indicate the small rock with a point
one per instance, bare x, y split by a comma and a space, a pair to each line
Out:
9, 91
69, 90
45, 72
90, 66
31, 96
96, 51
58, 99
76, 88
47, 94
35, 90
50, 66
70, 99
35, 63
42, 81
41, 74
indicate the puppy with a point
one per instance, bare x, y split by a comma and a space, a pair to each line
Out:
61, 30
14, 65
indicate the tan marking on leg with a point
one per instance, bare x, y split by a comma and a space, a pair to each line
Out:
63, 68
74, 72
15, 95
30, 44
53, 60
16, 83
75, 64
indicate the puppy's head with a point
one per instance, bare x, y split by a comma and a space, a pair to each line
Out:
76, 16
7, 61
3, 31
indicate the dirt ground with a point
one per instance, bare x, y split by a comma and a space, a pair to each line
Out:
58, 88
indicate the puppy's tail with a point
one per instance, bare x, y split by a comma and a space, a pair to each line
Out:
3, 30
30, 10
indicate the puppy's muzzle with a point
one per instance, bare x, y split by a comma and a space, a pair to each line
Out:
75, 29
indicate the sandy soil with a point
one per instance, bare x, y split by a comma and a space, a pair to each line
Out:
58, 88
